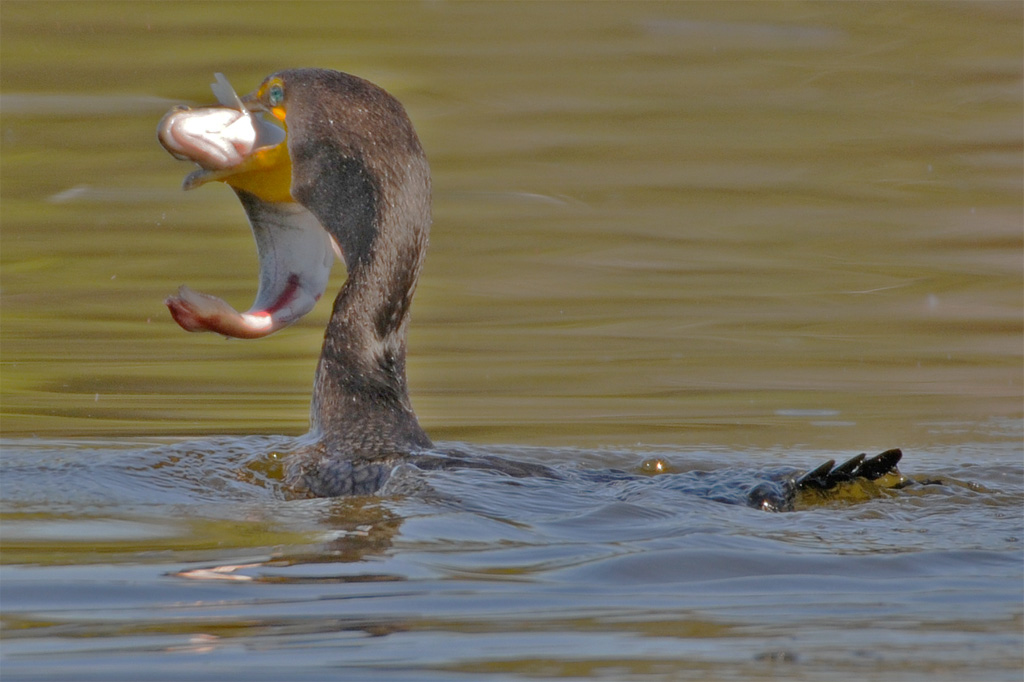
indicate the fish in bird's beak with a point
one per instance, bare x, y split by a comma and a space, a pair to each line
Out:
233, 143
221, 138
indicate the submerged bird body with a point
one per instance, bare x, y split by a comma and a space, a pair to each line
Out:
337, 168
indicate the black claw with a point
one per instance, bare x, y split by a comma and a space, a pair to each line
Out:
848, 469
816, 478
880, 465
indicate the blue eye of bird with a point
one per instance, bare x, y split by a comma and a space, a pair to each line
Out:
275, 94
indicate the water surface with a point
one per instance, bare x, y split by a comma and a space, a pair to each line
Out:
732, 236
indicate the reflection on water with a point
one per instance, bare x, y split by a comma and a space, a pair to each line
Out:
733, 236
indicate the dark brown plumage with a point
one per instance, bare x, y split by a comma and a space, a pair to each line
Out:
357, 165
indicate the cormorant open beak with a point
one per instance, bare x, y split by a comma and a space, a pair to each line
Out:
234, 144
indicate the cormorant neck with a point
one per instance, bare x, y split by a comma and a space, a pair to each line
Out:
382, 222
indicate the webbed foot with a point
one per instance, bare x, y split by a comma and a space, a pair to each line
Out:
828, 475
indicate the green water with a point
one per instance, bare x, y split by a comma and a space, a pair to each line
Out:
729, 233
